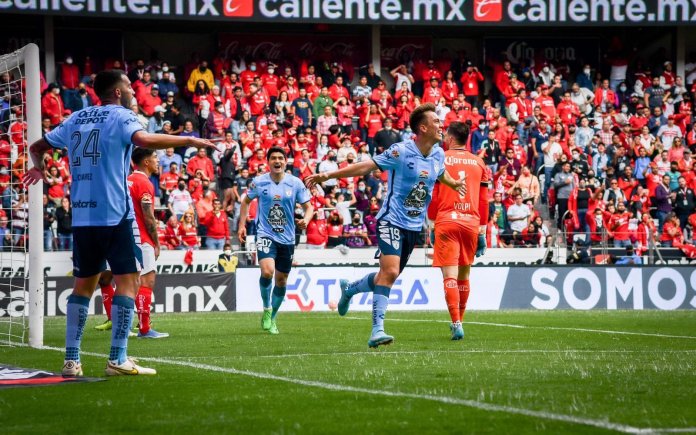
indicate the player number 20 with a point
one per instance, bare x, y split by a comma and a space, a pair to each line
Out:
89, 149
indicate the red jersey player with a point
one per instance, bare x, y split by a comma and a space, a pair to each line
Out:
143, 195
460, 222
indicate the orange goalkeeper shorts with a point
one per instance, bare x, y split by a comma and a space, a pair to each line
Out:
455, 243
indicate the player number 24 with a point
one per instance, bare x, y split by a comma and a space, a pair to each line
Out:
90, 147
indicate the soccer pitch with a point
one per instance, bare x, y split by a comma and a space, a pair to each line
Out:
514, 372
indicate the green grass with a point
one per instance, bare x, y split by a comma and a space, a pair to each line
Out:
635, 381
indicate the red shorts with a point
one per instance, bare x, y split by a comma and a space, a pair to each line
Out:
455, 243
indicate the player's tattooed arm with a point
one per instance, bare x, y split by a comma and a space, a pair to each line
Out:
150, 222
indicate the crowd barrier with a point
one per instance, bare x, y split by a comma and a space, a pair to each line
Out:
418, 288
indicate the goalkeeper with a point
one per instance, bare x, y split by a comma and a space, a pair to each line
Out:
460, 222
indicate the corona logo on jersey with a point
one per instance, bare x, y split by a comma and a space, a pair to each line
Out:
488, 10
238, 8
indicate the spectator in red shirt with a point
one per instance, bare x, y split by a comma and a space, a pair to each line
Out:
55, 183
432, 94
203, 162
188, 232
618, 226
256, 161
431, 72
171, 234
337, 90
52, 105
257, 101
218, 229
317, 232
470, 83
149, 101
545, 102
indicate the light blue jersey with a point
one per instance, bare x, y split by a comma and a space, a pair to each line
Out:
275, 218
99, 146
410, 184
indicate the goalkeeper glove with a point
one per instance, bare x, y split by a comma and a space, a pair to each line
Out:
481, 248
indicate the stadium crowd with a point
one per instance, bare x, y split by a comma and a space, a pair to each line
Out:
610, 155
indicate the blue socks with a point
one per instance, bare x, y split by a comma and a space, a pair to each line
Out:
366, 284
380, 301
78, 306
265, 285
278, 297
121, 316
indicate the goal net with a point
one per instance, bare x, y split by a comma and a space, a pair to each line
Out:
21, 209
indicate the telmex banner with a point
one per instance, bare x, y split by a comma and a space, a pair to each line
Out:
413, 12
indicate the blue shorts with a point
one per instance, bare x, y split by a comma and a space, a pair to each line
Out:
393, 240
282, 254
94, 246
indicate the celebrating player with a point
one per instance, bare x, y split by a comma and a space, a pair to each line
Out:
460, 222
145, 229
99, 141
278, 193
413, 167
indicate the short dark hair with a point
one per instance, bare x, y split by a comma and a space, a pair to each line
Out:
140, 154
418, 115
459, 131
272, 150
106, 81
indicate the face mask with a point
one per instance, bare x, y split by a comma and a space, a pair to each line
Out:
271, 71
82, 91
332, 158
349, 160
202, 69
670, 100
182, 186
56, 91
165, 68
624, 110
252, 68
228, 252
356, 221
587, 71
545, 69
622, 88
221, 109
140, 66
362, 189
68, 60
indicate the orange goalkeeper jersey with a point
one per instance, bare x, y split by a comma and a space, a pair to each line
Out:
447, 204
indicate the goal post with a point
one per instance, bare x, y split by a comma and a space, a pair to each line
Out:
21, 250
35, 285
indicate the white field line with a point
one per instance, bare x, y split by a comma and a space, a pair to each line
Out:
477, 351
549, 328
564, 418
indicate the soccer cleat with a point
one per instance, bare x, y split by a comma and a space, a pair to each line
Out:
273, 329
266, 319
379, 339
457, 331
153, 334
72, 368
132, 334
344, 302
106, 326
128, 368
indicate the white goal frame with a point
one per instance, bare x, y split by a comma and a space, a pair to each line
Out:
26, 59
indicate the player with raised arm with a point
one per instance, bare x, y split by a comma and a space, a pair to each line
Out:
277, 193
143, 195
460, 222
99, 141
413, 167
